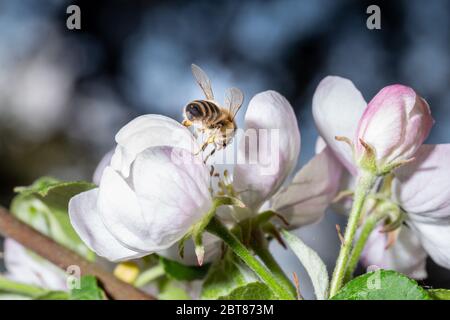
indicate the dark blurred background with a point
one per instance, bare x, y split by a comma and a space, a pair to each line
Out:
65, 93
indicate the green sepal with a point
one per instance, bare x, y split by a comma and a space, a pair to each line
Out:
197, 230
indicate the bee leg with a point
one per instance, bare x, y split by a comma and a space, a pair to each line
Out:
202, 148
210, 154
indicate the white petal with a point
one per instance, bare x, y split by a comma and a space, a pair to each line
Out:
104, 162
313, 188
121, 213
26, 267
406, 255
337, 108
264, 165
435, 238
422, 187
148, 131
88, 224
172, 188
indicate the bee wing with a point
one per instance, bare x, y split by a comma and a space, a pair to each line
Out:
233, 101
203, 81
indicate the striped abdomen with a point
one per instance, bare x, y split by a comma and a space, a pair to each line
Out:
202, 110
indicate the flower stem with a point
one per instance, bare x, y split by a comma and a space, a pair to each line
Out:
266, 256
21, 288
216, 227
149, 275
365, 183
369, 225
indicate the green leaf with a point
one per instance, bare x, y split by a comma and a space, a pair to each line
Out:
439, 294
43, 205
179, 271
382, 285
225, 276
55, 194
88, 290
316, 269
251, 291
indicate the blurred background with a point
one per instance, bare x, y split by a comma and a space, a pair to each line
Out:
65, 93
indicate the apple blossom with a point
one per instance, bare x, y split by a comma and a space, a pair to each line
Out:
164, 195
427, 208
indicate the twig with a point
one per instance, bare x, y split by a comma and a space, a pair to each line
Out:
11, 227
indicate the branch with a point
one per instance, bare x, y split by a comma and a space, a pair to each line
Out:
11, 227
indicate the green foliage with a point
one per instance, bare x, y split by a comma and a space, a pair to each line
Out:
179, 271
439, 294
43, 205
250, 291
382, 285
229, 278
89, 290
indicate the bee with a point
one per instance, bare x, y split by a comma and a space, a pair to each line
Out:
209, 117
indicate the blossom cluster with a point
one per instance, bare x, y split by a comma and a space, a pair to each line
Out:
156, 190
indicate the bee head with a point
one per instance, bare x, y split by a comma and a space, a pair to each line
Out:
193, 111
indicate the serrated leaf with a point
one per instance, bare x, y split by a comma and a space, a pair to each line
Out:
225, 276
439, 294
179, 271
43, 205
89, 290
250, 291
314, 266
382, 285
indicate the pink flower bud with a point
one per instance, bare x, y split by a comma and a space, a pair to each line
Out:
394, 125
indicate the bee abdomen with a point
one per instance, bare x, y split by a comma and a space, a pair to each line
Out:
202, 110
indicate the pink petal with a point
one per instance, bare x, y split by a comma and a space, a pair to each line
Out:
395, 124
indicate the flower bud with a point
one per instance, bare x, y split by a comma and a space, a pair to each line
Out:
394, 125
